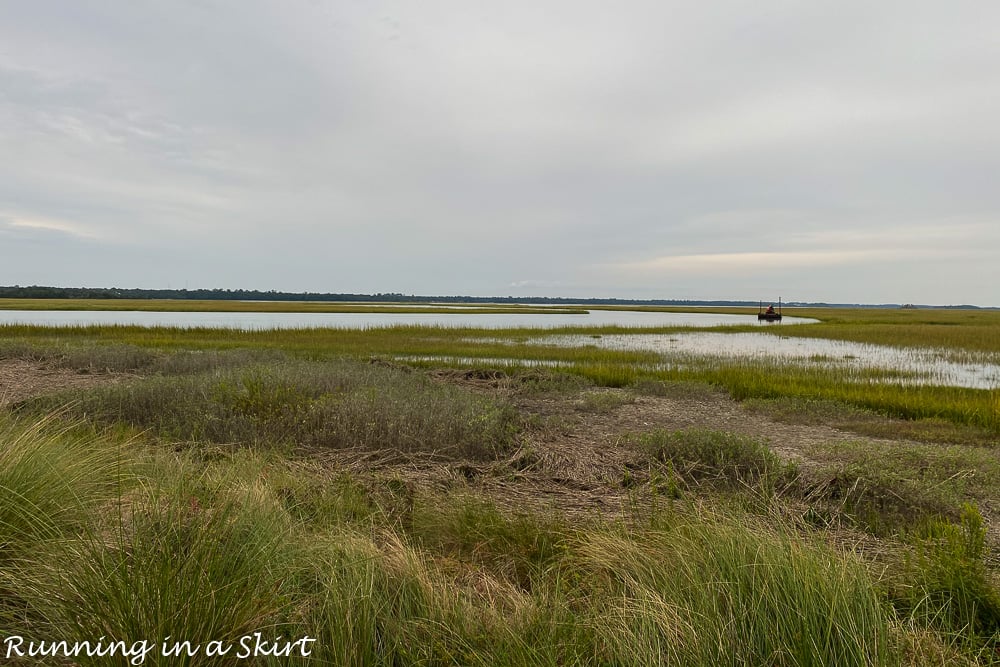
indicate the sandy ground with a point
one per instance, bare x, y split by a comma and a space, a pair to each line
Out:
21, 379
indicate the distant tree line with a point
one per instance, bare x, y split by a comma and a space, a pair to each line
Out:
43, 292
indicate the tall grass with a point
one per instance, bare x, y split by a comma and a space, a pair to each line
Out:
169, 567
51, 478
719, 592
245, 542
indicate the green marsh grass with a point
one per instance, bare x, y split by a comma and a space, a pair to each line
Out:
519, 548
169, 567
924, 483
861, 389
719, 591
867, 422
604, 401
947, 582
719, 457
52, 475
969, 330
759, 379
54, 478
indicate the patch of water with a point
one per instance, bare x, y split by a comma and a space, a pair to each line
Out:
486, 361
917, 365
260, 321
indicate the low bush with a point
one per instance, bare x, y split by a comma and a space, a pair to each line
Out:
720, 457
850, 480
319, 404
946, 583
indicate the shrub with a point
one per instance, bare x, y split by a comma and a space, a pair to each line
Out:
720, 457
950, 587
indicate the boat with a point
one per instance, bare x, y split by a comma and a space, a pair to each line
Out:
768, 314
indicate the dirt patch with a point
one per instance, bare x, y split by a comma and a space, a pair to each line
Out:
21, 379
573, 457
586, 445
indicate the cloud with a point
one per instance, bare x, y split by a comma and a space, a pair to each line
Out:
442, 147
534, 284
30, 227
743, 261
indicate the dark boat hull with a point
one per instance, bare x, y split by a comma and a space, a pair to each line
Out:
770, 317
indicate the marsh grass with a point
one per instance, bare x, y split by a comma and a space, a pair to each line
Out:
943, 583
169, 567
52, 475
971, 330
863, 390
520, 548
53, 479
674, 389
871, 390
719, 591
716, 457
380, 604
334, 404
205, 546
867, 422
924, 483
603, 401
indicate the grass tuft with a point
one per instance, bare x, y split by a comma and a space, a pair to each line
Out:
170, 567
719, 457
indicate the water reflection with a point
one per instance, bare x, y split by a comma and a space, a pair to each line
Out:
919, 365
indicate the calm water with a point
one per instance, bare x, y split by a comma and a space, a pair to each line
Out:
257, 321
928, 365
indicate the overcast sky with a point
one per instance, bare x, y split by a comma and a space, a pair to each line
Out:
820, 151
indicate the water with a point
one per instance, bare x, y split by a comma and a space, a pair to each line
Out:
922, 365
260, 321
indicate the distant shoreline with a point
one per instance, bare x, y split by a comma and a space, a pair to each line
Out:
121, 294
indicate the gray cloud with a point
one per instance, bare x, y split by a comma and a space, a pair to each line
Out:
832, 151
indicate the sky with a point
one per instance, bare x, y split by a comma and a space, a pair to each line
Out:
845, 151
